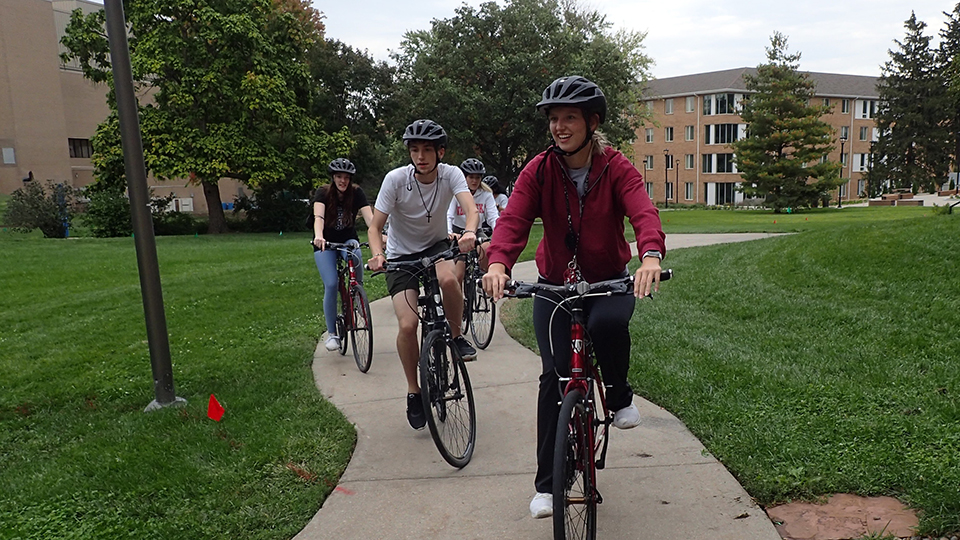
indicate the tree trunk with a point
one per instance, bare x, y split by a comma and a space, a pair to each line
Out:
211, 192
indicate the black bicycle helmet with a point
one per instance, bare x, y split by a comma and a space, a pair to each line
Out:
341, 165
473, 166
574, 91
492, 182
425, 130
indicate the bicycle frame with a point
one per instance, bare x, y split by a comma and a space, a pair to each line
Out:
347, 279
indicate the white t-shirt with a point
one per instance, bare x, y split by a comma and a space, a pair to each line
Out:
486, 205
501, 200
407, 203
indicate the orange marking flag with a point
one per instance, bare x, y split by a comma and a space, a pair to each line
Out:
214, 409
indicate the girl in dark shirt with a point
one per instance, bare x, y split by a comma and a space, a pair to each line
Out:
335, 210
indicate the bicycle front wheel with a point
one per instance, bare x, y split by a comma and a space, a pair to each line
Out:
361, 333
447, 399
342, 333
483, 316
574, 493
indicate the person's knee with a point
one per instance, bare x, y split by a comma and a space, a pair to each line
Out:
449, 282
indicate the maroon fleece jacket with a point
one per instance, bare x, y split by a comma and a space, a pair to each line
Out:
615, 190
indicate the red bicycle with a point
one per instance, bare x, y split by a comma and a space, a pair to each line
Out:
353, 313
582, 429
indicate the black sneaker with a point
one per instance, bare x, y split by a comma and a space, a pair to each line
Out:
415, 411
467, 352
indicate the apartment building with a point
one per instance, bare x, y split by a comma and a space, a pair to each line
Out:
49, 112
684, 152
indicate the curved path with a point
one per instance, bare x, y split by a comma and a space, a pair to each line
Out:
659, 483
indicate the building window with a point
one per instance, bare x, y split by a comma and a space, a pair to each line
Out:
649, 105
648, 162
707, 105
864, 133
725, 163
691, 103
861, 188
845, 132
707, 163
80, 148
826, 102
688, 191
649, 187
669, 190
668, 134
823, 158
868, 108
688, 133
669, 159
9, 156
649, 134
862, 162
688, 161
845, 106
874, 134
843, 190
724, 133
668, 106
843, 159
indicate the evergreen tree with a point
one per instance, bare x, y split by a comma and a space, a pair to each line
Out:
783, 157
912, 150
949, 64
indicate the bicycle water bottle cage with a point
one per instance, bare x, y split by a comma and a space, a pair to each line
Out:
422, 300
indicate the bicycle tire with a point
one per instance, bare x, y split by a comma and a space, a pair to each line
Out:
447, 399
361, 332
469, 292
342, 334
483, 317
574, 493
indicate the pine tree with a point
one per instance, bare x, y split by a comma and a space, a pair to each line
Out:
912, 150
949, 64
783, 157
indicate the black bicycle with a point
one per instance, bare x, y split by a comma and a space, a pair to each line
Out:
479, 310
353, 311
444, 382
583, 426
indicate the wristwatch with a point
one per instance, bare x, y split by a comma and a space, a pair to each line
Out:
652, 253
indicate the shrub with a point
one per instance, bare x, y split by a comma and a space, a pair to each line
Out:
32, 207
108, 213
274, 209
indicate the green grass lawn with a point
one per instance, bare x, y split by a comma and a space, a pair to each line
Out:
733, 221
815, 363
78, 458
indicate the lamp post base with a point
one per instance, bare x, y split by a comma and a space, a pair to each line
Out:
156, 405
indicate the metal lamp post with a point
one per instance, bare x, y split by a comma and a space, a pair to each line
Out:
666, 179
843, 141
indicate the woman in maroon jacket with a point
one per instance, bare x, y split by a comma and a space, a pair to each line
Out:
582, 189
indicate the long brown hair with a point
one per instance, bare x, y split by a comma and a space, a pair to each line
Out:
333, 202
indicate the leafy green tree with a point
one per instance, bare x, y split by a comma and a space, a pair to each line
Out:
949, 67
913, 149
480, 73
224, 89
783, 157
354, 92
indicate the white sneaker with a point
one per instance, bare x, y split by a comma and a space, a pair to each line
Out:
542, 505
627, 417
333, 343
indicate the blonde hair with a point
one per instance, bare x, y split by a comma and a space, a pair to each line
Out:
485, 187
600, 142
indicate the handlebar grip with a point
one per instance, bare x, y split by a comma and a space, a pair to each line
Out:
666, 274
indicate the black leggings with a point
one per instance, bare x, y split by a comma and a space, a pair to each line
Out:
608, 319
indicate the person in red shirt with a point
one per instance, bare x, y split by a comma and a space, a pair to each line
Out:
582, 189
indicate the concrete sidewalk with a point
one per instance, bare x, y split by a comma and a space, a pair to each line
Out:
659, 482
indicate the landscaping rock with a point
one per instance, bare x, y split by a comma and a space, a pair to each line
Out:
844, 517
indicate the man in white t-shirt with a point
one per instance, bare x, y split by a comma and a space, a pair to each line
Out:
415, 199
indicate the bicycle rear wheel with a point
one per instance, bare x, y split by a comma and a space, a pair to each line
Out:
574, 493
483, 316
447, 399
469, 293
361, 334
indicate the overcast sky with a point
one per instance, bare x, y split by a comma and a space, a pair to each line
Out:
688, 36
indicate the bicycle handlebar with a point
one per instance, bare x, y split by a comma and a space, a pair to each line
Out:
335, 245
624, 285
419, 264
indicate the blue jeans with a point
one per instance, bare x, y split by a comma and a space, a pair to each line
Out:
327, 265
